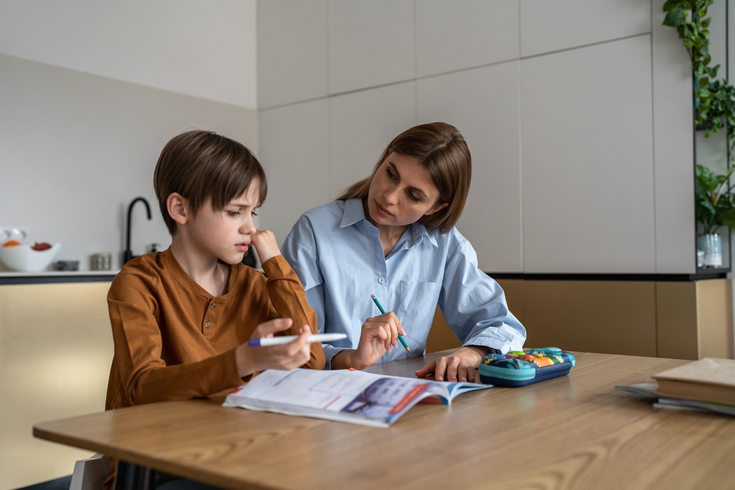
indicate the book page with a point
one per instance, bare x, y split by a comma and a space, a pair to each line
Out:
338, 395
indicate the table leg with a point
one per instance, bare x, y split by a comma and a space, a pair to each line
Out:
130, 476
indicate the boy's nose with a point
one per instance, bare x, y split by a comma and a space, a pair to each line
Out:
248, 228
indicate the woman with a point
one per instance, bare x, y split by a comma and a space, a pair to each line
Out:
393, 235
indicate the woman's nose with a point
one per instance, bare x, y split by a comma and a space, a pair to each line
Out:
391, 196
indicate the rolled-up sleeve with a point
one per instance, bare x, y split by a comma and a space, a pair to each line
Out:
474, 304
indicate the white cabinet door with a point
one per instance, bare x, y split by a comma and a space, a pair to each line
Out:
562, 24
484, 105
588, 203
294, 150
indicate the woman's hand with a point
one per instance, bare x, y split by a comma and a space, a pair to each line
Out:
265, 244
379, 335
285, 356
459, 366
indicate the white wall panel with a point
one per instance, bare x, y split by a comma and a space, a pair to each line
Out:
673, 150
552, 26
452, 35
292, 51
370, 43
362, 124
194, 47
588, 160
484, 105
294, 150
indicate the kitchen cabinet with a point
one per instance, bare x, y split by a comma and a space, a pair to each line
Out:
55, 354
687, 319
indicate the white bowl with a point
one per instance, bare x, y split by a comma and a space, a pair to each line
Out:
23, 258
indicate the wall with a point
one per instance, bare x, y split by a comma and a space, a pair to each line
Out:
91, 94
76, 149
193, 47
572, 111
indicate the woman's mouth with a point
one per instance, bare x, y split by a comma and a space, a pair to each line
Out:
382, 210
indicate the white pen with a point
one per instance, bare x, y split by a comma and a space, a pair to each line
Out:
285, 339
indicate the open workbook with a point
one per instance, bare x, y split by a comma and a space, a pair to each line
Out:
346, 396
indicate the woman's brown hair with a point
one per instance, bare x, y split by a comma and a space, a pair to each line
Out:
442, 152
202, 165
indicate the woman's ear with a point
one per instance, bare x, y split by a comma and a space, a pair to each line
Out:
178, 208
436, 208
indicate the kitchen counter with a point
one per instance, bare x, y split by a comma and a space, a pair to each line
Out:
55, 277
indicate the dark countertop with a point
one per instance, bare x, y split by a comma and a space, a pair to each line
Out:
54, 277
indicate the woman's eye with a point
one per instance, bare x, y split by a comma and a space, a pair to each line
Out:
413, 197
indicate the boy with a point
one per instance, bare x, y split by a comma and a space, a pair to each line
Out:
181, 318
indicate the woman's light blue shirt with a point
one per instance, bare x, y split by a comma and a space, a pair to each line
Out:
338, 256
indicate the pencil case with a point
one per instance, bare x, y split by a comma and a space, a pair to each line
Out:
521, 368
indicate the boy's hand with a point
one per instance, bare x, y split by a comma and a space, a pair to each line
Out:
379, 335
265, 244
286, 356
459, 366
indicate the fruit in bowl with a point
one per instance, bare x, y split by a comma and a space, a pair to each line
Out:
28, 258
39, 247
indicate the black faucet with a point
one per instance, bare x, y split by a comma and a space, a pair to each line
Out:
129, 253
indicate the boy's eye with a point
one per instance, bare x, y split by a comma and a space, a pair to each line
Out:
390, 174
253, 214
413, 197
233, 213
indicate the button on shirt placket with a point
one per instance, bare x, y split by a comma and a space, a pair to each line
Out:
381, 268
209, 319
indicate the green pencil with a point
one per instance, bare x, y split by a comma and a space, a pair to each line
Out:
405, 346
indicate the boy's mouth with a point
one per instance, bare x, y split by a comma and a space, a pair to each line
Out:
243, 247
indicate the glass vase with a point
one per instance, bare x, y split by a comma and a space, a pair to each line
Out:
711, 245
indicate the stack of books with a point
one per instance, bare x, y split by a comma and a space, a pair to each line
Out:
706, 385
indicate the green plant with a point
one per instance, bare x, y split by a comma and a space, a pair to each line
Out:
714, 104
688, 17
715, 205
714, 100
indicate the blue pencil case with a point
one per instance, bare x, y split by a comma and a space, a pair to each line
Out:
521, 368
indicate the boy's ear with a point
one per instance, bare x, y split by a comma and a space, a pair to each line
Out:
436, 208
178, 208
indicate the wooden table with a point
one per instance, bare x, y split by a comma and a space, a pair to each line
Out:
571, 432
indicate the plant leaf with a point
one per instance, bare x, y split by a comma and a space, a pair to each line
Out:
675, 18
728, 217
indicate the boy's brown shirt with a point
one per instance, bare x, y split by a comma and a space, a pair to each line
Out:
174, 341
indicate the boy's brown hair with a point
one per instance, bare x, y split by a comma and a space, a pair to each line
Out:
442, 151
202, 165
